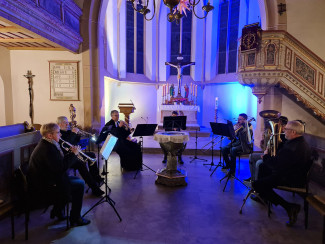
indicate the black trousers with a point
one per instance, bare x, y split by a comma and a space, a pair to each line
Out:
90, 176
264, 186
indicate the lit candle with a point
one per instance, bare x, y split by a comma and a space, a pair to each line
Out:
216, 104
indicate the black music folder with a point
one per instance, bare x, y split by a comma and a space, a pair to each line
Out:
145, 130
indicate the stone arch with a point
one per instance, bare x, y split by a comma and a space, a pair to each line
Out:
270, 18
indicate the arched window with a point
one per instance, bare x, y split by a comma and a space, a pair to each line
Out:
134, 41
228, 35
186, 42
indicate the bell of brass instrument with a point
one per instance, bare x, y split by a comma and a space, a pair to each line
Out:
81, 155
268, 115
275, 138
85, 133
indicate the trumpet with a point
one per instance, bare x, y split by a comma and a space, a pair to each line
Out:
85, 133
81, 155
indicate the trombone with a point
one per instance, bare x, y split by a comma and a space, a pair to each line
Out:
81, 155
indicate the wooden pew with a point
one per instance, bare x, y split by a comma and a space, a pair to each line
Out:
16, 147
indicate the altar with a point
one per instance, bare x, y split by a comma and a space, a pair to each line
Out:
187, 110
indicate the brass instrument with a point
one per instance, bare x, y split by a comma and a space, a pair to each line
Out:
82, 132
275, 140
81, 155
237, 127
85, 133
268, 115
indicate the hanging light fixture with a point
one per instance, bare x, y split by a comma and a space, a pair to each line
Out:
177, 8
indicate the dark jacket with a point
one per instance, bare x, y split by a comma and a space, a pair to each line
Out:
47, 167
292, 161
119, 132
70, 137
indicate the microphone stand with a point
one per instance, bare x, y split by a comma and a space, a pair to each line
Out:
195, 151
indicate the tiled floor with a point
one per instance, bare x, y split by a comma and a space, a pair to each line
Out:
197, 213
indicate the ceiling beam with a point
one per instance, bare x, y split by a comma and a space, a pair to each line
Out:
38, 40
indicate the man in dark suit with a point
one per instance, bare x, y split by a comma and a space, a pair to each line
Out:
47, 175
128, 150
241, 144
91, 177
288, 168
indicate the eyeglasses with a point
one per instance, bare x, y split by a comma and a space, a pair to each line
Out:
287, 129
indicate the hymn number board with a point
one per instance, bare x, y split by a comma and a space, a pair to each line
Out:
64, 80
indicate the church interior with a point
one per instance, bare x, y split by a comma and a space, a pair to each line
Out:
208, 60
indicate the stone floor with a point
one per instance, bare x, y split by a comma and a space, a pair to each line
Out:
197, 213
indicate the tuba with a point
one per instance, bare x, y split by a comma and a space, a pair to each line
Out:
275, 140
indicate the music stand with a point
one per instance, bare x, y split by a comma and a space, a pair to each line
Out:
102, 137
228, 175
195, 150
144, 130
174, 122
106, 151
223, 130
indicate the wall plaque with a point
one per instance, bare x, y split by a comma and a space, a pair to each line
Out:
64, 80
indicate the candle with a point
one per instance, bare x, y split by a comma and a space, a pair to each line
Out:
191, 87
216, 104
196, 90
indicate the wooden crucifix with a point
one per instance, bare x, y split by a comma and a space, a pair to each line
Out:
29, 76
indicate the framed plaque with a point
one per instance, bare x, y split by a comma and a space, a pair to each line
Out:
64, 80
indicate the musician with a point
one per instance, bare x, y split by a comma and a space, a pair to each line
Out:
255, 159
288, 168
47, 176
241, 144
128, 150
180, 152
91, 177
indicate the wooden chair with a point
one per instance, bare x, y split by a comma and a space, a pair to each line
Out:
23, 203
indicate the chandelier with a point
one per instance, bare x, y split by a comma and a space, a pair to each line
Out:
177, 8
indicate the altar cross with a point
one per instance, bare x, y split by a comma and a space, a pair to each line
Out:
179, 65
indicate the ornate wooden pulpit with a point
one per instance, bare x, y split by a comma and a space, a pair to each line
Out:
126, 109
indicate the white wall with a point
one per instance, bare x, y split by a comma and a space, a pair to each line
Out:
293, 112
305, 21
44, 110
233, 99
144, 97
5, 74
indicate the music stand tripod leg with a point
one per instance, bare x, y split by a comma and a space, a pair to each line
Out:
147, 167
106, 197
195, 151
251, 191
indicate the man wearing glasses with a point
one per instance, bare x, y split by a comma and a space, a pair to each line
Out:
288, 168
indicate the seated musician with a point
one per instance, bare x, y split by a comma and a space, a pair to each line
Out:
241, 144
128, 150
288, 168
91, 177
180, 152
47, 176
255, 159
